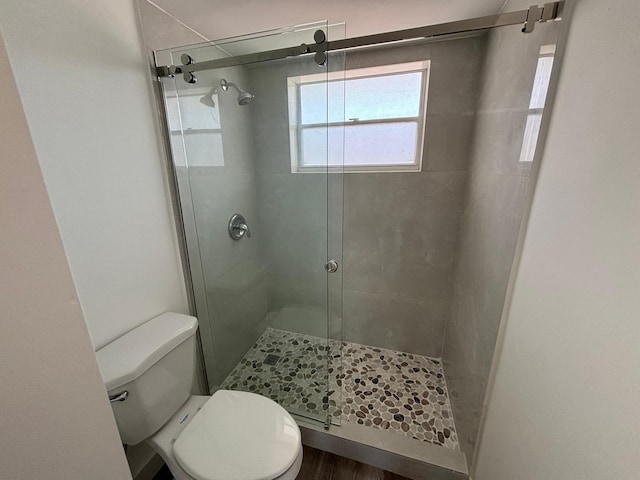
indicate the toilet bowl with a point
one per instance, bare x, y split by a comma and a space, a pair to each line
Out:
230, 435
150, 373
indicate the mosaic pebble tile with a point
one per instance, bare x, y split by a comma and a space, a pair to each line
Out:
384, 389
296, 381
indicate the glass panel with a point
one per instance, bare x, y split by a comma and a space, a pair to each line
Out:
508, 115
369, 144
270, 315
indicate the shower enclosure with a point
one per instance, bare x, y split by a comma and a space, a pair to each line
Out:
351, 210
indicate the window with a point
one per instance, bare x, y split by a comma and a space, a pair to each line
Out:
536, 103
382, 119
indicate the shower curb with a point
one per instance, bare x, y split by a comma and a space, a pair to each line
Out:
388, 451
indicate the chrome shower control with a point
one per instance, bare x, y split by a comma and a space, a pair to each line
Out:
331, 266
238, 227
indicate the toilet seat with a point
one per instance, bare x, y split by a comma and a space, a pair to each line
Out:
238, 436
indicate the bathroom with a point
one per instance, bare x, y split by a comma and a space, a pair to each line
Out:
369, 298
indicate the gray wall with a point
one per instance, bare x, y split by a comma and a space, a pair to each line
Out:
232, 271
293, 206
401, 229
493, 211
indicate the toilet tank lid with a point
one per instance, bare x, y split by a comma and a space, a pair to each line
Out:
132, 354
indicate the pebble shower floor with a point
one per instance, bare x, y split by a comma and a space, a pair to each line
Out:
384, 389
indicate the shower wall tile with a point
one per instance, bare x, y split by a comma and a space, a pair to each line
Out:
400, 229
400, 233
455, 71
501, 155
293, 207
447, 141
233, 272
394, 322
466, 388
493, 210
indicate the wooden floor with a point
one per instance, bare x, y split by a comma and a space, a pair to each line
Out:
319, 465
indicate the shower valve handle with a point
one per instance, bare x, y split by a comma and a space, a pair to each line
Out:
238, 227
243, 228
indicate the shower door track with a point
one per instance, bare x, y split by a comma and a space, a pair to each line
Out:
526, 18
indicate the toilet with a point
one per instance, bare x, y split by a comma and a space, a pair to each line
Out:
150, 373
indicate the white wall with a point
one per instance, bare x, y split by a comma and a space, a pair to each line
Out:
82, 77
566, 403
55, 419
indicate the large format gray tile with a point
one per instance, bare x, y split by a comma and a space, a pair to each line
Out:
447, 141
455, 70
400, 232
498, 142
415, 326
466, 389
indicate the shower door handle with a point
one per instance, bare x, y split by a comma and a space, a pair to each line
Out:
331, 266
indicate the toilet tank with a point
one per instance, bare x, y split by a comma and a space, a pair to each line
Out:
155, 364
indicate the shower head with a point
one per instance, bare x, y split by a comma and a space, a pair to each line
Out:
208, 100
244, 98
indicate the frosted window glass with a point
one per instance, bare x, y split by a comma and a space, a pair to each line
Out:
368, 98
375, 144
313, 103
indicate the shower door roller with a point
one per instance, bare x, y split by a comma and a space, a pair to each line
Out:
331, 266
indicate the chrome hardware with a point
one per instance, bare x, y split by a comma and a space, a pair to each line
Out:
536, 14
119, 397
186, 59
550, 11
331, 266
533, 15
321, 53
304, 48
189, 77
238, 227
320, 58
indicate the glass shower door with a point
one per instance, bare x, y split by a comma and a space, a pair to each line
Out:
258, 162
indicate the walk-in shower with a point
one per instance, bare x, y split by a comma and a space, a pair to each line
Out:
350, 235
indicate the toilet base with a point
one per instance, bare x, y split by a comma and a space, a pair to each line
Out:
162, 441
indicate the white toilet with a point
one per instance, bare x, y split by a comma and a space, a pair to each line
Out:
150, 373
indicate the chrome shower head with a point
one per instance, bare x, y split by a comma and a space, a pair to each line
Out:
244, 98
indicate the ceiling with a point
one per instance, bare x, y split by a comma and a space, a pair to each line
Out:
218, 19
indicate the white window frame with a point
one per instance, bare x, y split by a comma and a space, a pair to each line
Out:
295, 127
